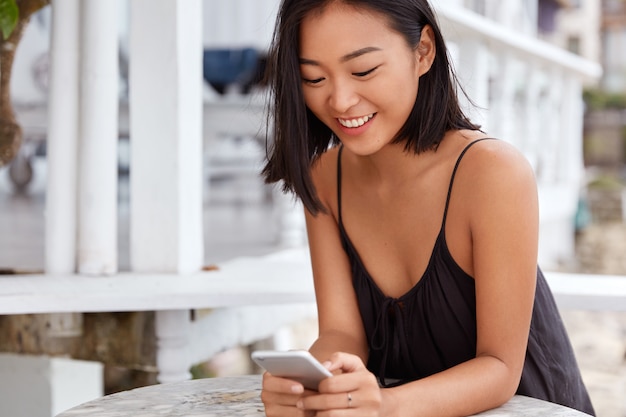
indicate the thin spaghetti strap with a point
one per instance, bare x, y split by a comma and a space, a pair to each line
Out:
339, 185
458, 161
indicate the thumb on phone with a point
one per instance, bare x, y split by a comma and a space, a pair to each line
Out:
345, 362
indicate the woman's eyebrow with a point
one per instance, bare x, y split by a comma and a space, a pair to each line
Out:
345, 58
359, 52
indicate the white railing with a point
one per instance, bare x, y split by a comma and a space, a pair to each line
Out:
528, 93
268, 291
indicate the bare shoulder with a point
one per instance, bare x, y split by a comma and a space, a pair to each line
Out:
496, 161
495, 179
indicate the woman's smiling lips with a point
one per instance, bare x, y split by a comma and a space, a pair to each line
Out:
355, 125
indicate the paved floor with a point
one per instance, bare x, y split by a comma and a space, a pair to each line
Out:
599, 338
239, 219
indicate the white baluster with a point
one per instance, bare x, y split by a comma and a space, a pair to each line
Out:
97, 231
553, 137
172, 332
572, 114
291, 223
473, 71
503, 107
62, 159
531, 132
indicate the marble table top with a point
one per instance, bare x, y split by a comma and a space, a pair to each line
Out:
240, 397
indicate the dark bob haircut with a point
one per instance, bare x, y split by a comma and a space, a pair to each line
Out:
299, 137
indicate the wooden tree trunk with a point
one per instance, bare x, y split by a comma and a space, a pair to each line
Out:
10, 130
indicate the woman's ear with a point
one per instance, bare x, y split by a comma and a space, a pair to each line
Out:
426, 50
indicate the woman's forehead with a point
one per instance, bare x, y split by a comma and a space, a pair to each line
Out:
343, 11
339, 25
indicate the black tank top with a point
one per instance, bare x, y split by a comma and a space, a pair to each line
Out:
432, 327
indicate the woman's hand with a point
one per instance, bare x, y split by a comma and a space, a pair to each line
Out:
353, 392
280, 396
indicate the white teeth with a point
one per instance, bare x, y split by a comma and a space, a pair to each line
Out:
356, 122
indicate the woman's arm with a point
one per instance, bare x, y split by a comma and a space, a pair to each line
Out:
340, 325
339, 320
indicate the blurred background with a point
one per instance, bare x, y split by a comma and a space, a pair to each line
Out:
548, 75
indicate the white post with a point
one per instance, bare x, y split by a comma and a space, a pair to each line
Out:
572, 115
531, 145
503, 109
473, 71
166, 156
553, 130
166, 135
97, 232
63, 114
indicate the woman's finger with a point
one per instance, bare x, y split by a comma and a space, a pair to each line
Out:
282, 385
346, 362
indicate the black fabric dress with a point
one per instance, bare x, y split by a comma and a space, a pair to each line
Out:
433, 326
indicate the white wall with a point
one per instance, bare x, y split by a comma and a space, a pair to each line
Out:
239, 23
39, 386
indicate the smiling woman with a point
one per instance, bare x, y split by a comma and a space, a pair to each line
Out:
423, 230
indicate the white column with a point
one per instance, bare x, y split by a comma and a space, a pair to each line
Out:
572, 116
166, 135
503, 107
166, 156
473, 71
97, 232
553, 130
531, 145
63, 114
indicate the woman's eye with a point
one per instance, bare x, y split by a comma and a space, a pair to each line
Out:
315, 81
364, 73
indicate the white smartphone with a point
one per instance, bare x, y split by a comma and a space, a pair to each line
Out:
298, 365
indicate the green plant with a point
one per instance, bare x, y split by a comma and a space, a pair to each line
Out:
597, 99
606, 182
9, 14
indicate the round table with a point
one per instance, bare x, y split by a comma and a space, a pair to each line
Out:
240, 397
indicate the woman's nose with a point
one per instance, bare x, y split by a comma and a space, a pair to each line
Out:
342, 97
